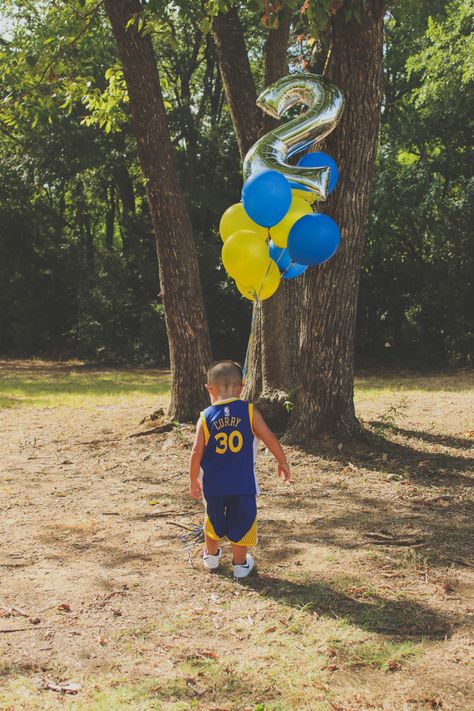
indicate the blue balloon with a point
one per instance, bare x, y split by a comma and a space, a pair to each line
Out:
288, 268
321, 160
294, 270
279, 255
298, 186
266, 197
313, 239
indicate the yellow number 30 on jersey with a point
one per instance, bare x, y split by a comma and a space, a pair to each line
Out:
233, 441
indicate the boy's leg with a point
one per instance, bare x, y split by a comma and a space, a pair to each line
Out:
241, 526
214, 523
239, 554
212, 545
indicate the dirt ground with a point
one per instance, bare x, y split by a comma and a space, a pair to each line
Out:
362, 599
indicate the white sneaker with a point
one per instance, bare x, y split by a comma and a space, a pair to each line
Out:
211, 562
243, 569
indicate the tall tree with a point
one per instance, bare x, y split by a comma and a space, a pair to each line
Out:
269, 365
186, 324
324, 398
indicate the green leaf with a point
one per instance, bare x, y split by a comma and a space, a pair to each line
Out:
205, 25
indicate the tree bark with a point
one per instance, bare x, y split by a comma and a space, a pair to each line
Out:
277, 321
126, 194
186, 324
324, 401
84, 228
237, 78
109, 217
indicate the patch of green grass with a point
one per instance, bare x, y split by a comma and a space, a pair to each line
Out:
104, 694
414, 560
76, 386
386, 655
384, 383
355, 587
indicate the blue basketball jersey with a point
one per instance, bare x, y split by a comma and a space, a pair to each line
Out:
228, 464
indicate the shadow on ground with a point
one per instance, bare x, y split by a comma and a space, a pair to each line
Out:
452, 441
425, 495
399, 618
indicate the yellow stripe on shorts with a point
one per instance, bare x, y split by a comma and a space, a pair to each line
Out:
250, 538
209, 529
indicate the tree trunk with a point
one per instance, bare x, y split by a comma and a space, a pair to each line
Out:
277, 322
186, 324
109, 217
84, 228
237, 78
126, 194
324, 401
268, 368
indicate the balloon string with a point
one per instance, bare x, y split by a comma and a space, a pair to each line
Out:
252, 327
291, 264
257, 308
254, 316
279, 257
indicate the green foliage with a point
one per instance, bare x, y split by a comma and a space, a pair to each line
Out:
388, 419
77, 258
417, 280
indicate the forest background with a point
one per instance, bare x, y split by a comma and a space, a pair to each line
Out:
78, 269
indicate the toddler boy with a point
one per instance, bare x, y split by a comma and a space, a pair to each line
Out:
222, 467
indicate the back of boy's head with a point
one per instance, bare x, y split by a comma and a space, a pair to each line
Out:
224, 374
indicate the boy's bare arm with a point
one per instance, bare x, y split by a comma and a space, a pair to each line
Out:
195, 462
264, 433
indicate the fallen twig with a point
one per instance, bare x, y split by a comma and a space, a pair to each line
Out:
13, 612
60, 628
384, 539
99, 441
416, 543
180, 525
159, 514
381, 536
26, 629
172, 476
463, 561
64, 688
166, 427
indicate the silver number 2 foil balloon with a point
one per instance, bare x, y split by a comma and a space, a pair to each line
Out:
325, 104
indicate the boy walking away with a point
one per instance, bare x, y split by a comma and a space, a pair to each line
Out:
222, 467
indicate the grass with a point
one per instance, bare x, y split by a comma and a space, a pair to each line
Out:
287, 665
385, 655
74, 385
291, 670
315, 637
379, 383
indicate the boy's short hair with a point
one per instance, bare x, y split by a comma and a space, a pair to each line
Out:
226, 373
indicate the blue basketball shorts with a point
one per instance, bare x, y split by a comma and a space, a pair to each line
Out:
232, 517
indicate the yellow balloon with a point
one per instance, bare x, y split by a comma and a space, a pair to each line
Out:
234, 219
265, 287
245, 256
306, 195
279, 233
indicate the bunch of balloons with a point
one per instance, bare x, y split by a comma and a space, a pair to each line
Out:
273, 234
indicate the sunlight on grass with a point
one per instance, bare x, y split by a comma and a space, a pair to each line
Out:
384, 383
63, 385
387, 655
73, 384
